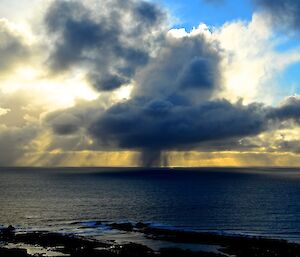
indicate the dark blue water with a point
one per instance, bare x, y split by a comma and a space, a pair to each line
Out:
249, 201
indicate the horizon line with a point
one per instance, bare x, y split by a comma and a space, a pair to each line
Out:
154, 167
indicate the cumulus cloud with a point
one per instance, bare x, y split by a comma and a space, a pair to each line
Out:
111, 42
252, 61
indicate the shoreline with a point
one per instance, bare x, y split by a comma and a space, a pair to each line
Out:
41, 243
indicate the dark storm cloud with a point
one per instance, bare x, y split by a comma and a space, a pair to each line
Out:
12, 48
111, 42
161, 125
285, 13
290, 109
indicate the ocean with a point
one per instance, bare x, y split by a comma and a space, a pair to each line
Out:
264, 202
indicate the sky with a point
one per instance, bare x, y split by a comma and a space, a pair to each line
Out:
149, 83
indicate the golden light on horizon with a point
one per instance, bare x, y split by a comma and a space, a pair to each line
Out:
175, 159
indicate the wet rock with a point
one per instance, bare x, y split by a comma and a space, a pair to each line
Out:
141, 225
13, 253
7, 233
238, 246
122, 226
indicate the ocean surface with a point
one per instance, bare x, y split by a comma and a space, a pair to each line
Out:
264, 202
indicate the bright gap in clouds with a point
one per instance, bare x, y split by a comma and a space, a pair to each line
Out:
52, 93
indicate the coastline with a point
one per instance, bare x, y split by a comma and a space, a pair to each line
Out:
42, 243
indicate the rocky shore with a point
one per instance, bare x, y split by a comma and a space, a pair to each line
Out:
55, 244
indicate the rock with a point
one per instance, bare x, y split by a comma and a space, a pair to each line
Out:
7, 233
122, 226
141, 225
13, 253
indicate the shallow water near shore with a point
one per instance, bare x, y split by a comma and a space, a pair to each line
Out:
251, 201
